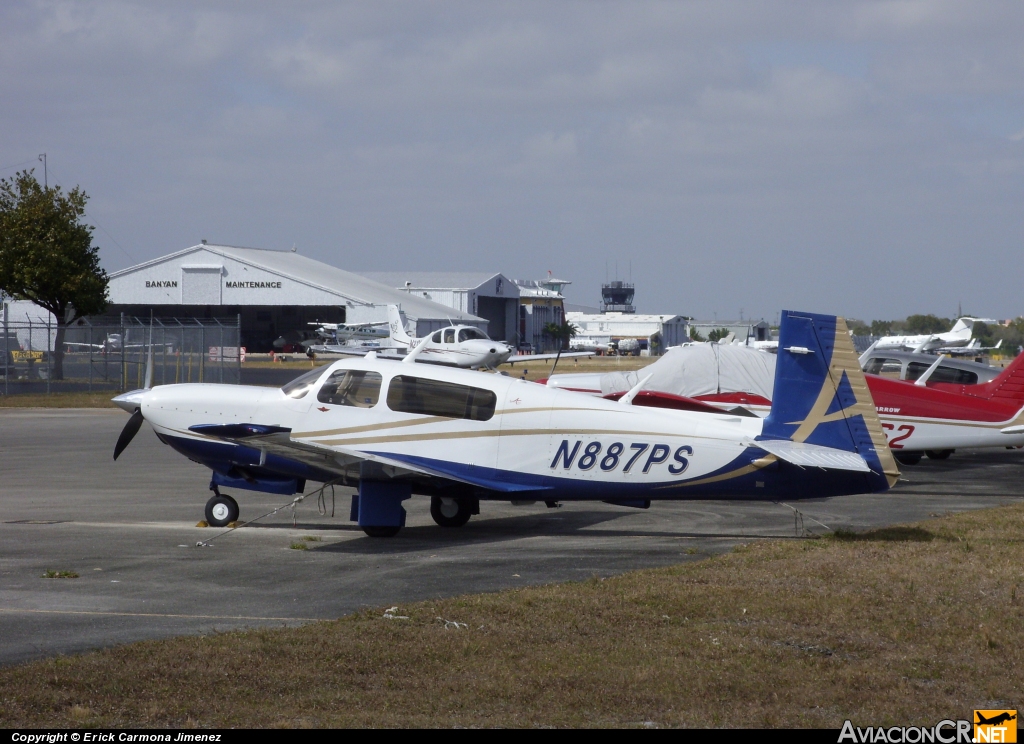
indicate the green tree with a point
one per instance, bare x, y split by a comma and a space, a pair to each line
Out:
858, 327
718, 334
562, 333
47, 255
881, 327
921, 324
695, 335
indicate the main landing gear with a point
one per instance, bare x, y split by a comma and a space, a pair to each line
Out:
221, 510
908, 458
448, 512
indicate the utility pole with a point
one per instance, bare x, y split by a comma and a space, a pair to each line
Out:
42, 158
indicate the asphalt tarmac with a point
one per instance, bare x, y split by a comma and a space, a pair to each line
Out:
128, 529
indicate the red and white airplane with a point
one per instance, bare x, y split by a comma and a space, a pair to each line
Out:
919, 418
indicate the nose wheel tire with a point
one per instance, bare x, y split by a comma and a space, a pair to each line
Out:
907, 458
939, 454
221, 511
450, 512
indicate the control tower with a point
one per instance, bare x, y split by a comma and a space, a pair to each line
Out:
617, 297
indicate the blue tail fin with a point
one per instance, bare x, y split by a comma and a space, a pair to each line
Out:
821, 396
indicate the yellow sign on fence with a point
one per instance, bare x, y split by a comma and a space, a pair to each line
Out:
27, 356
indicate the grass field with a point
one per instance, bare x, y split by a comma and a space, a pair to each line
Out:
899, 626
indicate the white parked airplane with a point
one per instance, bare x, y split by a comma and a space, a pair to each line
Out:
455, 346
336, 332
462, 437
958, 336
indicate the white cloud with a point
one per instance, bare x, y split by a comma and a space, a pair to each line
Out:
534, 135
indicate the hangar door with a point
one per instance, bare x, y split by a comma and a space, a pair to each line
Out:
200, 285
493, 309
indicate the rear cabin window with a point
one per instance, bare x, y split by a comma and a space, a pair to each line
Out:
884, 367
298, 387
351, 387
942, 374
433, 398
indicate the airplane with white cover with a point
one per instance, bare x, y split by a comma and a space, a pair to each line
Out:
462, 437
455, 346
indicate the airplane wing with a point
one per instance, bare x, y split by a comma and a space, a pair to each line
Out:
385, 353
269, 439
542, 357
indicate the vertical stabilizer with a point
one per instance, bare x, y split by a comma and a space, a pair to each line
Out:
398, 332
821, 396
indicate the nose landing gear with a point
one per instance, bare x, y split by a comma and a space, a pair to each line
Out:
221, 510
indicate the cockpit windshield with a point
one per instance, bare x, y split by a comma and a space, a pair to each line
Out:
467, 333
298, 387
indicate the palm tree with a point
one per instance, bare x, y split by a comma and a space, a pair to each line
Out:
562, 333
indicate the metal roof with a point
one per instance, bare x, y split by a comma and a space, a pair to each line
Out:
456, 280
348, 286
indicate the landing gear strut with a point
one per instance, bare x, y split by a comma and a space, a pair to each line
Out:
221, 510
448, 512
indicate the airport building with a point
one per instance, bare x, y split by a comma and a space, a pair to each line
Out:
540, 302
490, 296
273, 292
655, 332
755, 330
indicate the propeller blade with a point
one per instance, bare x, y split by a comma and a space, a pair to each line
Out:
128, 432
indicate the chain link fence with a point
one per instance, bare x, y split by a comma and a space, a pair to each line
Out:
113, 356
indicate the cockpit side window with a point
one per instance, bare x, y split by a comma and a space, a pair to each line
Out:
298, 387
351, 387
449, 335
467, 333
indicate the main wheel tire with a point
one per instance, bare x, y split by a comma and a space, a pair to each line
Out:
907, 458
221, 511
450, 512
938, 454
381, 531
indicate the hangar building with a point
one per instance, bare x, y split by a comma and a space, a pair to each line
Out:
659, 331
493, 297
274, 292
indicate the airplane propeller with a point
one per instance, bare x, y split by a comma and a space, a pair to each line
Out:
135, 422
128, 432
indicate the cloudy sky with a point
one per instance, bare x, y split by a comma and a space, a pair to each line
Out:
861, 158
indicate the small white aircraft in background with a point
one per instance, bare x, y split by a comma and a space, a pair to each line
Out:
455, 346
338, 332
463, 437
957, 337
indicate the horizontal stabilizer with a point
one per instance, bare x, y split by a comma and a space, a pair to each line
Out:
813, 455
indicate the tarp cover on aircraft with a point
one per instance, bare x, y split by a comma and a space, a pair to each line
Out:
702, 369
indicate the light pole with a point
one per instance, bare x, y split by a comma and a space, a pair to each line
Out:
42, 158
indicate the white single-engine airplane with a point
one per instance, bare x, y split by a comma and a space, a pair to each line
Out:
455, 346
462, 437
